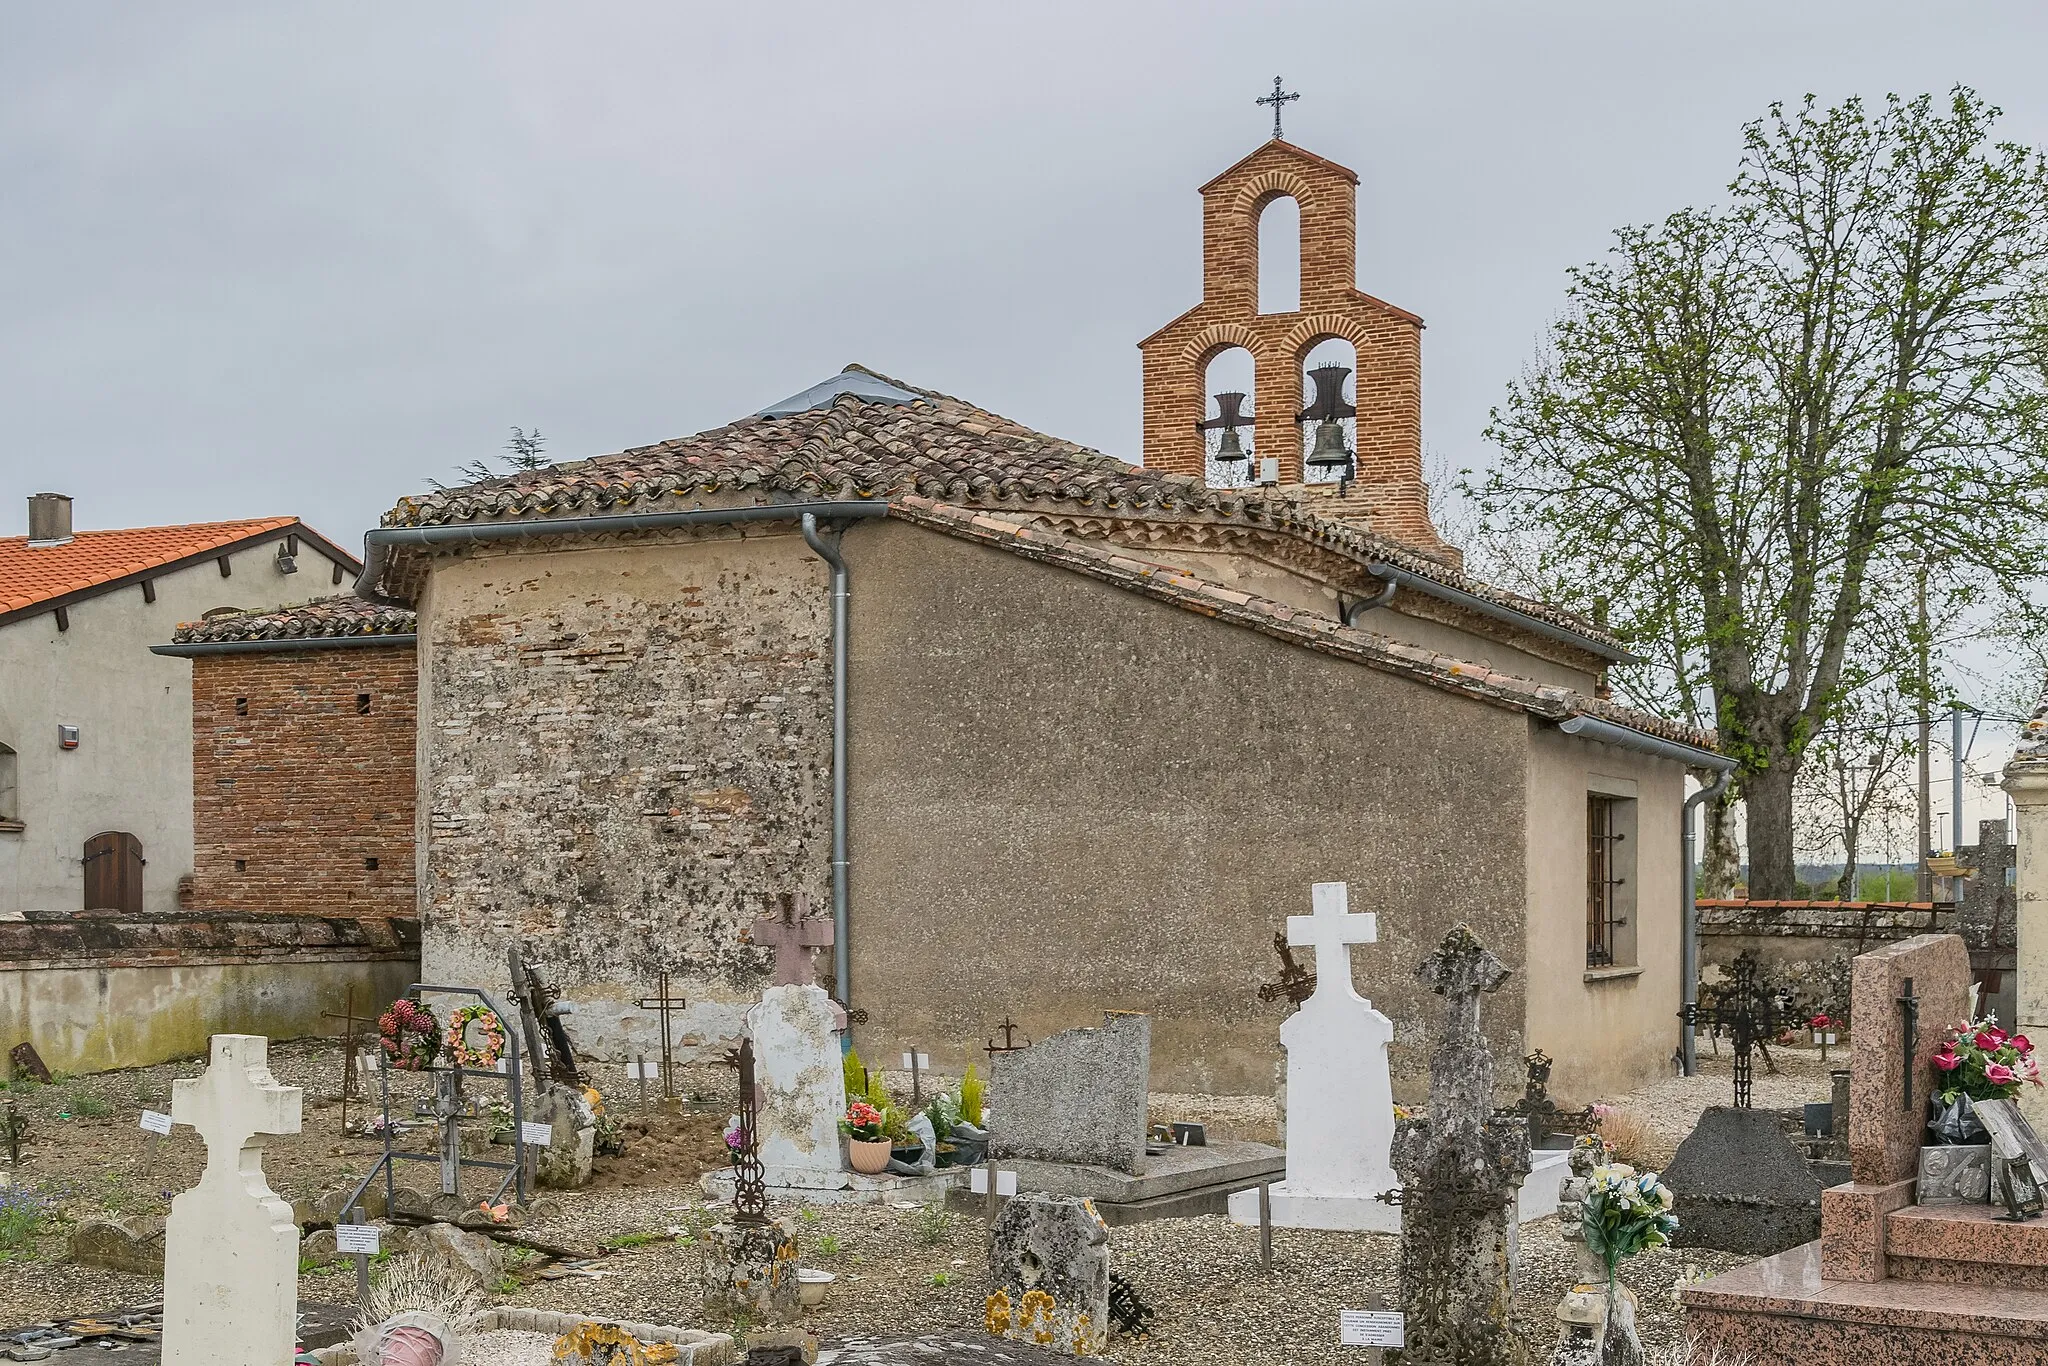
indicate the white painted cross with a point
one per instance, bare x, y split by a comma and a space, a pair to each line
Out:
231, 1251
1331, 931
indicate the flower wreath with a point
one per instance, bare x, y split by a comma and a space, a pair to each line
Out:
476, 1059
410, 1034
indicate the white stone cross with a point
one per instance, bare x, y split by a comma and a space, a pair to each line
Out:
1332, 930
231, 1250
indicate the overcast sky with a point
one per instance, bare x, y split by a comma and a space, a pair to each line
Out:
293, 258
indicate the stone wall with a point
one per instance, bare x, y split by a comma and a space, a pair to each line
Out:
1065, 798
1068, 799
1806, 946
302, 780
97, 990
624, 755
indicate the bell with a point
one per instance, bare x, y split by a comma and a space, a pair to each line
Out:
1329, 452
1231, 448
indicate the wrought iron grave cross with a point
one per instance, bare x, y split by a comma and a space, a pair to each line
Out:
1009, 1043
749, 1181
664, 1005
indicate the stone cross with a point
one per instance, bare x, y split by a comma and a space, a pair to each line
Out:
231, 1250
1331, 931
1461, 1067
792, 933
1460, 1170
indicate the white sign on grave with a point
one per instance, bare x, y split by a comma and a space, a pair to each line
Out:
1371, 1328
231, 1250
1340, 1097
539, 1135
640, 1069
977, 1181
156, 1122
921, 1062
356, 1238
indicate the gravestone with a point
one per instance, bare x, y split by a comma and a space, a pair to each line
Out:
565, 1163
1742, 1185
802, 1087
794, 935
1460, 1170
1340, 1099
1989, 920
1048, 1264
1076, 1096
231, 1250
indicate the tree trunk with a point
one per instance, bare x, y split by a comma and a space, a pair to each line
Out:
1720, 862
1767, 801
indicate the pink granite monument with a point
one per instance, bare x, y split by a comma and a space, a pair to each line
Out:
1890, 1282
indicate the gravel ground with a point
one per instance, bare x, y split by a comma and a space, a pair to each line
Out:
902, 1271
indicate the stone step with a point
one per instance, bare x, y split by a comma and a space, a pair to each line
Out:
1780, 1310
1966, 1244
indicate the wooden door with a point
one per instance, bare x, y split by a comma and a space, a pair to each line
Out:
113, 872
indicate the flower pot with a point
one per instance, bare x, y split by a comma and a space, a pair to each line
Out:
811, 1286
1954, 1174
868, 1157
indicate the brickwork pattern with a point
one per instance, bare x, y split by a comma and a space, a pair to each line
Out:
297, 789
1387, 341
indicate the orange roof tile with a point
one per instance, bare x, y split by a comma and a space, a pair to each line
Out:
28, 577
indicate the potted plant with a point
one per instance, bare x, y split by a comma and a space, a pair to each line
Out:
867, 1139
1977, 1061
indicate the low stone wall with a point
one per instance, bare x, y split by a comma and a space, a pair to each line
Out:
1807, 945
98, 990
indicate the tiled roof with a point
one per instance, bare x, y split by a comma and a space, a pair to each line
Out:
1123, 568
941, 448
321, 619
90, 558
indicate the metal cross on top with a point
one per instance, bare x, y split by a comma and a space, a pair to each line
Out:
1277, 99
1748, 1009
1331, 932
792, 933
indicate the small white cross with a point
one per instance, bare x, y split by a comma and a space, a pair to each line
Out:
1332, 930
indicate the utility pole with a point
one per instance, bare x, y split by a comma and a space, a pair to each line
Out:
1923, 877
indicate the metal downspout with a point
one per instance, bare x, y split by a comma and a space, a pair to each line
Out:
1689, 911
842, 956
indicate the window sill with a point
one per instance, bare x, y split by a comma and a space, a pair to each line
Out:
11, 827
1612, 974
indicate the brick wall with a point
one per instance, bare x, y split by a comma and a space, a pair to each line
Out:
1387, 341
302, 779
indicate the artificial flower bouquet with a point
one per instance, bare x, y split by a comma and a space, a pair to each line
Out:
863, 1123
1977, 1061
1625, 1212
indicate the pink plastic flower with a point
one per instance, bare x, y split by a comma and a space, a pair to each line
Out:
1990, 1039
2021, 1044
1947, 1060
1820, 1021
1997, 1073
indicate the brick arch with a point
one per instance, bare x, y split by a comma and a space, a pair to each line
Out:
1217, 337
1267, 186
1303, 336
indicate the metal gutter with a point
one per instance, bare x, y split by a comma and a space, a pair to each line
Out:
377, 544
190, 649
842, 954
1607, 732
1443, 592
1689, 919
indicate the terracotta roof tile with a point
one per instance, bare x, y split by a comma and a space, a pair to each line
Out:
940, 448
32, 575
321, 619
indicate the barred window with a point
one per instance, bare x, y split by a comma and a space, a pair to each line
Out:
1610, 881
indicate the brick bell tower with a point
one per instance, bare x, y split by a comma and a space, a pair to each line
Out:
1388, 493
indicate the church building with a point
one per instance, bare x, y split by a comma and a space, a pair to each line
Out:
1046, 732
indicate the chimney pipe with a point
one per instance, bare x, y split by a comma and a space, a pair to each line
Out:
49, 519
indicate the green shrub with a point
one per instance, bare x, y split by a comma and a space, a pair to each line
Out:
933, 1223
23, 1213
85, 1105
971, 1096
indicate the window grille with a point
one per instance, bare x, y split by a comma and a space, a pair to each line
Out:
1603, 879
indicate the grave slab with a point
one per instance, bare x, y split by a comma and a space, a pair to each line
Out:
1076, 1096
1049, 1275
1742, 1186
1177, 1183
801, 1088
